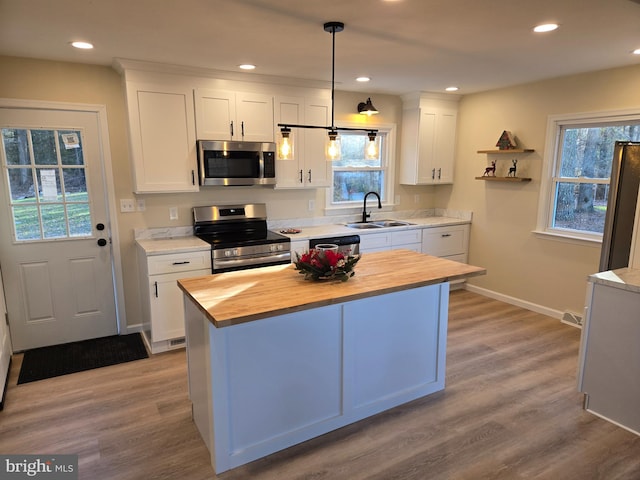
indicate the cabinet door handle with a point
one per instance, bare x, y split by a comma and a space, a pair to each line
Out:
433, 174
301, 176
155, 284
231, 128
309, 175
193, 178
186, 262
445, 235
242, 128
439, 173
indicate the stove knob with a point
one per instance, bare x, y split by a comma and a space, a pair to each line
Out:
236, 252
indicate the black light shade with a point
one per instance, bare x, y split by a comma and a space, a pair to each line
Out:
367, 108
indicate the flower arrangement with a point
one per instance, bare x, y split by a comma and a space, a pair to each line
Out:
322, 264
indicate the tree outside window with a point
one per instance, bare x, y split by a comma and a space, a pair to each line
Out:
354, 175
580, 183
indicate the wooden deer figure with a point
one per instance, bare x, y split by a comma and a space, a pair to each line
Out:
490, 171
512, 170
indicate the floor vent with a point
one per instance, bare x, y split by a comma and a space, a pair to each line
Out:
573, 319
177, 341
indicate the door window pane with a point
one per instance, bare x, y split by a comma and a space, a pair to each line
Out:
70, 148
79, 219
49, 189
21, 184
44, 147
54, 159
75, 185
16, 146
54, 223
26, 220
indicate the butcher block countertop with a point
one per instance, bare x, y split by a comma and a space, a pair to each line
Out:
243, 296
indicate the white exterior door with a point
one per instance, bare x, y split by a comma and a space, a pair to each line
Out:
55, 247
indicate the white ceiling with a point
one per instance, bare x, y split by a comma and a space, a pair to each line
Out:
403, 45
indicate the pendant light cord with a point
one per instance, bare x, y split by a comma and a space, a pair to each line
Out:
333, 76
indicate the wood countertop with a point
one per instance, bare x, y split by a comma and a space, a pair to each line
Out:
243, 296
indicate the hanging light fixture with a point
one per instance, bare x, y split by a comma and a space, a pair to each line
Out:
371, 150
367, 108
332, 151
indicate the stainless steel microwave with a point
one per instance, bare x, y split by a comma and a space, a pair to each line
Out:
236, 163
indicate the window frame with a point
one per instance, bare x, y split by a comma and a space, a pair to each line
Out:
556, 124
388, 153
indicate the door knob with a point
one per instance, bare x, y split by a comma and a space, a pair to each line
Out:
100, 226
102, 242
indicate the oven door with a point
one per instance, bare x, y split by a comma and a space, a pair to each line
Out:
223, 262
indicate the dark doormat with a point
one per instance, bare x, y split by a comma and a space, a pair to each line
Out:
47, 362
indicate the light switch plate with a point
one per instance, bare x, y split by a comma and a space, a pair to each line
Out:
126, 205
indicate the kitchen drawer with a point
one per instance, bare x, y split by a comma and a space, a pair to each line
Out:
445, 241
179, 262
375, 242
406, 237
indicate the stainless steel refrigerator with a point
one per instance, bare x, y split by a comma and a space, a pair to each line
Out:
621, 206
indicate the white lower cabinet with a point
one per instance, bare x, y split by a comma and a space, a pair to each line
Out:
375, 242
299, 247
407, 239
162, 300
451, 242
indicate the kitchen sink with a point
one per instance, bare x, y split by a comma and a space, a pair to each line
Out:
363, 226
378, 224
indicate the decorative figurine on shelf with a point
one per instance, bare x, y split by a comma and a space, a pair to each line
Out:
490, 171
512, 170
506, 141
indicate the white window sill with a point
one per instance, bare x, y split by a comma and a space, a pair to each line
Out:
575, 239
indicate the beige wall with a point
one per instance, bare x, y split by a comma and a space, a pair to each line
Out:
519, 263
75, 83
538, 270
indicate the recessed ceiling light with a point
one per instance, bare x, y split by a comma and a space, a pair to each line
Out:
362, 79
246, 66
82, 45
636, 51
452, 89
545, 27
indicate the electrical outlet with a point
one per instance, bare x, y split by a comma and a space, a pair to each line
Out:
312, 205
126, 205
140, 205
416, 198
173, 213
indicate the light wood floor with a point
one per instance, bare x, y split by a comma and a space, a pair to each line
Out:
510, 410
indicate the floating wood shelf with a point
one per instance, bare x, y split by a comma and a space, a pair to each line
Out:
504, 179
511, 150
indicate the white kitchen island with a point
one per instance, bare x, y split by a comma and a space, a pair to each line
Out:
275, 360
609, 363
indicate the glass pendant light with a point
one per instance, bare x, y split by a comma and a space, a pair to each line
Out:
332, 149
285, 144
371, 149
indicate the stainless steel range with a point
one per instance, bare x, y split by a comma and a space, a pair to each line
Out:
239, 237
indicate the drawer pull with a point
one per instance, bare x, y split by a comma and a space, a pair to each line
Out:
445, 235
182, 263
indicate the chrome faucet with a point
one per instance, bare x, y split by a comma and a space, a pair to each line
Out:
366, 215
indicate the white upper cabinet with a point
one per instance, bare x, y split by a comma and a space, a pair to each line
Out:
227, 115
428, 140
307, 168
162, 138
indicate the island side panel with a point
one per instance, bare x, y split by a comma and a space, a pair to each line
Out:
199, 372
272, 383
395, 349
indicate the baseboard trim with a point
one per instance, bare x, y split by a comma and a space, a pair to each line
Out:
534, 307
134, 328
